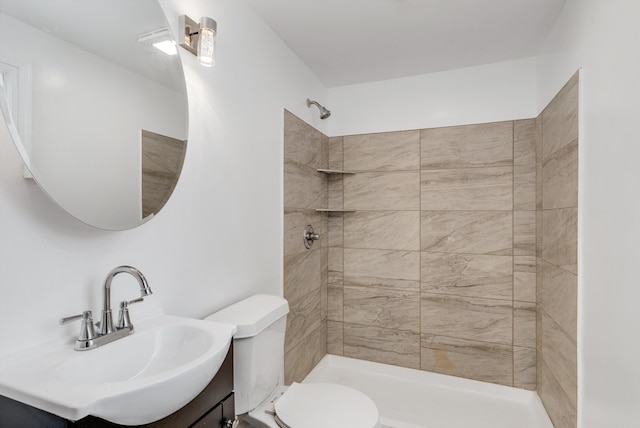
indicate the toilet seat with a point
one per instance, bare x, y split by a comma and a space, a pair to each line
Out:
322, 405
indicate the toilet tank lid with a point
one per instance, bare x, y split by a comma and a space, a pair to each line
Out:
253, 314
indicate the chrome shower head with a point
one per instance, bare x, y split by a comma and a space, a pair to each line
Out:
324, 113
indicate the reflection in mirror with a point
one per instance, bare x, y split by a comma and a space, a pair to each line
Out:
86, 102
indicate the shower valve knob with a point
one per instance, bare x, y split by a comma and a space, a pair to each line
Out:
309, 236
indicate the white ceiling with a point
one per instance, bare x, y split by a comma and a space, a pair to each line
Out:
354, 41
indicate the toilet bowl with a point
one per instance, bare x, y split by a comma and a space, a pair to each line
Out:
261, 398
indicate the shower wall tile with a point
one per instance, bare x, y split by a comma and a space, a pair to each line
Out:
389, 151
524, 187
382, 264
384, 230
560, 119
305, 316
524, 324
478, 232
561, 411
558, 296
335, 338
397, 347
467, 275
487, 144
304, 186
382, 191
467, 189
471, 359
524, 233
398, 310
560, 237
299, 361
560, 178
524, 279
336, 259
335, 302
302, 143
383, 283
524, 142
559, 351
524, 368
335, 192
302, 274
487, 320
336, 153
335, 232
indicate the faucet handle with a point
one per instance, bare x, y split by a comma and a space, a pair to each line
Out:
124, 321
87, 331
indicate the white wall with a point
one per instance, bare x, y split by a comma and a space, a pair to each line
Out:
87, 115
603, 37
218, 239
486, 93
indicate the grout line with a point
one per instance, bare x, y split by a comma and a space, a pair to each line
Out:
513, 244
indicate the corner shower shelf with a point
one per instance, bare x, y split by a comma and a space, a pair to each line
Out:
333, 171
327, 210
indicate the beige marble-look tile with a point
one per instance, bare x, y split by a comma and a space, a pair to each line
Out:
560, 237
470, 275
382, 191
295, 220
305, 316
324, 301
467, 146
386, 283
335, 192
524, 142
524, 368
335, 230
335, 302
524, 233
483, 361
562, 412
559, 297
302, 143
303, 357
383, 230
539, 186
560, 119
400, 348
382, 264
336, 153
336, 259
524, 187
560, 178
304, 187
397, 310
524, 279
335, 338
387, 151
487, 320
478, 232
524, 324
539, 233
539, 139
302, 274
467, 189
559, 352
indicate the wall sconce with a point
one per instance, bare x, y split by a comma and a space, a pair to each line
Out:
199, 39
160, 39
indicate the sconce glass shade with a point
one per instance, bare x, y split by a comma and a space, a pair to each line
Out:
207, 42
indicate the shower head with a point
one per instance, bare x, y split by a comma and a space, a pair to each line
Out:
324, 113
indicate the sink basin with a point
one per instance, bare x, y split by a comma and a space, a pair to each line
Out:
132, 381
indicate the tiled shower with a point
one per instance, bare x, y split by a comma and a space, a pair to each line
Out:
451, 250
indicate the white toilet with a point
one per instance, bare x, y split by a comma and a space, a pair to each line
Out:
260, 395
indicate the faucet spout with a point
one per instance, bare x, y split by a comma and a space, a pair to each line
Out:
106, 324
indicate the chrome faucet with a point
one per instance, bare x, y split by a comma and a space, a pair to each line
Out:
106, 325
88, 338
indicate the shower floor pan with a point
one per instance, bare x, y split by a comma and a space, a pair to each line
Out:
408, 398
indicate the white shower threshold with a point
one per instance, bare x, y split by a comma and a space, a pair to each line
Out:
408, 398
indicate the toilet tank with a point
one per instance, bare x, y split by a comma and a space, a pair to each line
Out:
258, 347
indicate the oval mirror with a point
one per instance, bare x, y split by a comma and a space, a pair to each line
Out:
97, 112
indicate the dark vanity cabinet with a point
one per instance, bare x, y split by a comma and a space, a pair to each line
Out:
213, 407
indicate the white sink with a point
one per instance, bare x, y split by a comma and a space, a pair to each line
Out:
132, 381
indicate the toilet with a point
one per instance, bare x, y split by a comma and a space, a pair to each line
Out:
261, 399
